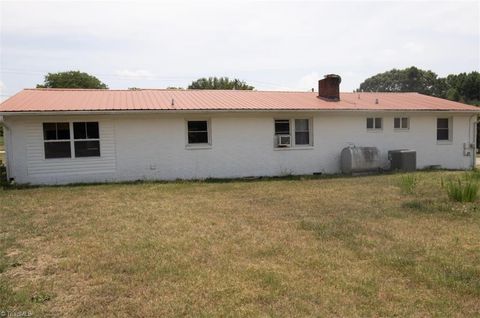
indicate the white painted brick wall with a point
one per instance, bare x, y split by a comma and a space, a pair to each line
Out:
152, 146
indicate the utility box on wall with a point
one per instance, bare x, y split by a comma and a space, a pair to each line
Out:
403, 160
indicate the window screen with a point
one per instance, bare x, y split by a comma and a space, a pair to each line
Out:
282, 127
57, 150
87, 139
56, 138
197, 131
374, 123
443, 129
87, 148
302, 132
369, 123
400, 123
86, 130
396, 123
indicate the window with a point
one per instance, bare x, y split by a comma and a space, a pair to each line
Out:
401, 123
374, 123
197, 132
443, 129
302, 132
87, 139
299, 129
56, 138
282, 127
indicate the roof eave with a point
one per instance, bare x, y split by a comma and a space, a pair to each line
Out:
144, 111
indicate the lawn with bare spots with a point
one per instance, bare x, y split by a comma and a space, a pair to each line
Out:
283, 247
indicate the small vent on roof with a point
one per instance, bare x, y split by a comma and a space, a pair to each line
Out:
173, 102
376, 100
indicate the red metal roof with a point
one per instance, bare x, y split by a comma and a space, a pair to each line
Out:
39, 100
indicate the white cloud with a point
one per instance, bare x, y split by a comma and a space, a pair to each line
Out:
286, 43
414, 47
135, 74
3, 96
308, 81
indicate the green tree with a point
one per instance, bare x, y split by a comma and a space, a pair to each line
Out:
461, 87
410, 79
219, 83
71, 79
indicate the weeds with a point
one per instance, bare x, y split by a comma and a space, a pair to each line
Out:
3, 175
462, 190
40, 297
408, 183
474, 175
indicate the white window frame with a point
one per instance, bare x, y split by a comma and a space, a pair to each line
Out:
72, 154
293, 144
72, 140
401, 121
450, 131
207, 145
374, 129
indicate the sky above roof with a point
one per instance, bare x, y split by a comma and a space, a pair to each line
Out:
273, 45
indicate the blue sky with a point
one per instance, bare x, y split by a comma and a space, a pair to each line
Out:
273, 45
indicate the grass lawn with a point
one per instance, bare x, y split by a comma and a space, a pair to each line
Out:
305, 247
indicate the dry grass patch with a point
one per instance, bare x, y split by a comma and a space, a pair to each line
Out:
321, 247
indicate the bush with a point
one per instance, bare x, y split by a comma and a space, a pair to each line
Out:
474, 175
3, 175
463, 191
408, 183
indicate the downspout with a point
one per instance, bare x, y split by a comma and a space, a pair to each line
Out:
3, 123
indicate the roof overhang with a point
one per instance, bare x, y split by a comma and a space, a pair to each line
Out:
166, 111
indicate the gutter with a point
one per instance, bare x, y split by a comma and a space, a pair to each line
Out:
165, 111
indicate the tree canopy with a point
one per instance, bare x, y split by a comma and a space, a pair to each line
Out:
219, 83
71, 79
461, 87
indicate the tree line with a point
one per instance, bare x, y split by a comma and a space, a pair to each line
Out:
77, 79
463, 87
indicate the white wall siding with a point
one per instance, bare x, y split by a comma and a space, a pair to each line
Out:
153, 146
28, 134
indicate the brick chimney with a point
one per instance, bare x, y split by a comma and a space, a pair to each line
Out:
329, 87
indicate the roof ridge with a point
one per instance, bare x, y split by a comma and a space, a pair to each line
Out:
161, 89
203, 90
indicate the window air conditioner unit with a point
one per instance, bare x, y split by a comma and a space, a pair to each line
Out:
283, 141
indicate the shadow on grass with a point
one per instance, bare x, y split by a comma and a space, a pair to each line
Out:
188, 181
319, 176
